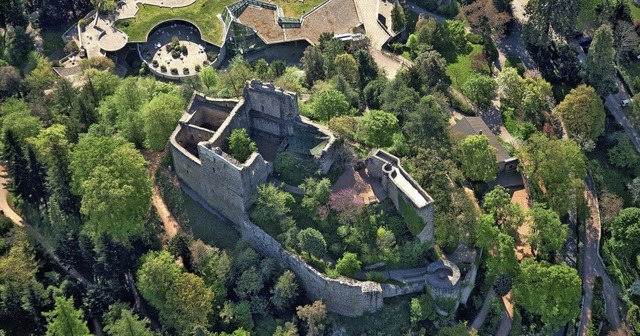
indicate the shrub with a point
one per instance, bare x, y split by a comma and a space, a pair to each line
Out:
174, 71
184, 49
155, 63
185, 70
349, 264
474, 38
175, 40
82, 23
163, 68
175, 53
292, 170
240, 145
124, 23
211, 56
197, 67
375, 276
71, 46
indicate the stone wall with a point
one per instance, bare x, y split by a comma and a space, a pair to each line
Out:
383, 165
342, 296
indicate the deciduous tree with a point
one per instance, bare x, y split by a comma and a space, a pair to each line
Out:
480, 89
329, 103
156, 277
240, 145
582, 113
398, 18
188, 303
161, 117
312, 242
285, 291
548, 234
349, 264
314, 316
377, 128
557, 167
478, 158
551, 292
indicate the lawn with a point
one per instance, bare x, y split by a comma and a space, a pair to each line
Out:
635, 10
460, 70
52, 37
209, 228
202, 13
295, 8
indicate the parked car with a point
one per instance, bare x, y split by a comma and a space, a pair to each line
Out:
584, 41
625, 102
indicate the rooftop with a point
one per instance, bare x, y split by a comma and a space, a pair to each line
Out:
475, 125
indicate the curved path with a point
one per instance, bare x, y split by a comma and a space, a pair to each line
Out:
171, 225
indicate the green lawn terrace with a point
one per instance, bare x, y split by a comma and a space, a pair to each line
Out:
204, 14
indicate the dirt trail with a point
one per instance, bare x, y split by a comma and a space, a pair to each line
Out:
171, 226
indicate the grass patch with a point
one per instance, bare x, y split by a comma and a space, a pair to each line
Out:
635, 10
460, 70
52, 37
296, 9
202, 13
210, 228
292, 170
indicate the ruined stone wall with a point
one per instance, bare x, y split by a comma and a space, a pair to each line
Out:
272, 110
238, 118
375, 167
343, 296
389, 290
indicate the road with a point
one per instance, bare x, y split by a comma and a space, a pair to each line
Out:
419, 10
612, 102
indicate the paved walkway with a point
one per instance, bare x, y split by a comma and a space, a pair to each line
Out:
484, 311
368, 13
419, 10
168, 3
593, 266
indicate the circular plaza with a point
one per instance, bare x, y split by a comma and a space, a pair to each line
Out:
176, 50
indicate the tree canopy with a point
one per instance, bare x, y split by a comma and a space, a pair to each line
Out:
240, 145
478, 158
65, 320
161, 117
552, 292
557, 167
582, 113
601, 66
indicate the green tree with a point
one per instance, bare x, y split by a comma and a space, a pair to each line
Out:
347, 66
237, 74
42, 76
22, 124
557, 167
156, 276
623, 154
116, 196
486, 232
504, 261
480, 89
188, 303
316, 193
240, 145
398, 18
426, 125
546, 17
509, 86
272, 203
507, 215
89, 153
10, 81
601, 62
552, 292
161, 117
478, 158
288, 329
349, 264
548, 234
314, 316
625, 231
285, 291
208, 79
431, 69
313, 65
582, 113
377, 128
129, 325
422, 308
237, 315
65, 320
328, 104
19, 46
311, 241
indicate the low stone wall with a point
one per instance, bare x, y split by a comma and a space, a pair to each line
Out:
389, 290
342, 296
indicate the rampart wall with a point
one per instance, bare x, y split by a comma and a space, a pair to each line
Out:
343, 296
